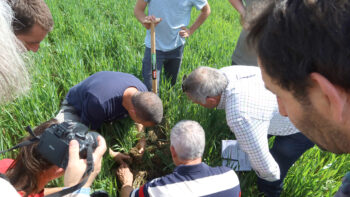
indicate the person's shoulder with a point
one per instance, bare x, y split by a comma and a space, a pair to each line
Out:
106, 73
113, 75
226, 173
220, 169
6, 161
240, 69
7, 188
5, 164
163, 180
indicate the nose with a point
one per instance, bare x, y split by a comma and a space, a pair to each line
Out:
281, 108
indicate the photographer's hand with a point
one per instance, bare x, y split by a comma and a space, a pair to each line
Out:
97, 155
76, 166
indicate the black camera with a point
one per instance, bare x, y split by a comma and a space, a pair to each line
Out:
54, 142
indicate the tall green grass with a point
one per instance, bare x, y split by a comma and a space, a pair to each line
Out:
95, 35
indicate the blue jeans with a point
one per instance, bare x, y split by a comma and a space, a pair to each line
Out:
170, 60
286, 150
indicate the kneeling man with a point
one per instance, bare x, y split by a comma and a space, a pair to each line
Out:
252, 115
191, 176
107, 96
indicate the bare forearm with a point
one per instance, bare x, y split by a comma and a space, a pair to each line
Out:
205, 12
126, 190
140, 16
139, 10
238, 5
52, 190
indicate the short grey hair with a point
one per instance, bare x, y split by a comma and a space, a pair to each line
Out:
148, 106
14, 79
204, 82
188, 139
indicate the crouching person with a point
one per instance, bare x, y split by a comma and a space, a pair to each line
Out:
30, 171
107, 96
191, 176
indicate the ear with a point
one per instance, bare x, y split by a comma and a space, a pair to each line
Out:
132, 112
58, 172
173, 152
336, 96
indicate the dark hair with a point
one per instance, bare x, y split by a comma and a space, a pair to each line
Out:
297, 37
29, 12
148, 106
24, 172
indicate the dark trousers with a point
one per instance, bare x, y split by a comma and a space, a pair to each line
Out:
286, 150
170, 60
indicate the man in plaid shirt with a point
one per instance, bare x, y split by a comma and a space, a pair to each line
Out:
252, 115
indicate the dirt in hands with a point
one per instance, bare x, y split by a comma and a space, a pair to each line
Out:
156, 160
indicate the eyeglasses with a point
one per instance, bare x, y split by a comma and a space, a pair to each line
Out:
182, 85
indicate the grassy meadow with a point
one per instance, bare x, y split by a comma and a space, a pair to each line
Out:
95, 35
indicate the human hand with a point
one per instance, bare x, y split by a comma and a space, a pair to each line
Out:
151, 19
124, 174
76, 166
184, 32
97, 156
139, 127
119, 157
141, 146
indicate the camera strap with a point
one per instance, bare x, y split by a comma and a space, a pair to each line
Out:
25, 143
89, 169
89, 162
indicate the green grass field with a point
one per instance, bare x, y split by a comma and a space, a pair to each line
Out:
95, 35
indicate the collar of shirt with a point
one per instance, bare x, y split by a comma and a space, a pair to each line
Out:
186, 169
222, 102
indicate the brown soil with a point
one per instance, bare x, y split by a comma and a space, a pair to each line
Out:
156, 160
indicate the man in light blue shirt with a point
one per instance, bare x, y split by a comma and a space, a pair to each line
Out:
171, 32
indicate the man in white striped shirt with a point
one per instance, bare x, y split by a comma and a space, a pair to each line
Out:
252, 115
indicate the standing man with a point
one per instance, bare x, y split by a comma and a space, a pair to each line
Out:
252, 115
303, 49
33, 21
170, 33
243, 54
191, 177
107, 96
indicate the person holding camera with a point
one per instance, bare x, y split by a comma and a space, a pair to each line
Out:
32, 170
14, 82
107, 96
